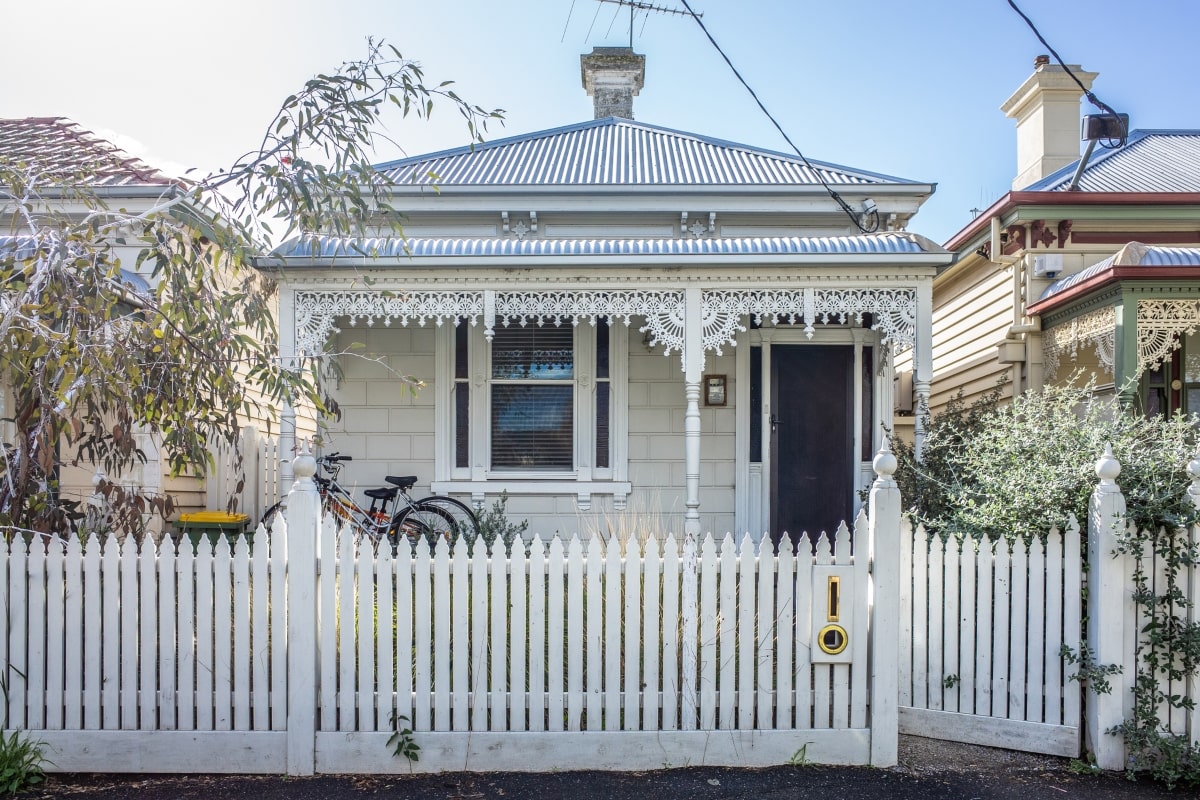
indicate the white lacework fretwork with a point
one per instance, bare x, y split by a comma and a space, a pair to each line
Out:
1096, 329
1160, 324
316, 311
894, 312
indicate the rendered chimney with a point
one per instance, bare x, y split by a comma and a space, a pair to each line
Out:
613, 76
1046, 109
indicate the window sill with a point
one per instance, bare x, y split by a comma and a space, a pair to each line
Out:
583, 490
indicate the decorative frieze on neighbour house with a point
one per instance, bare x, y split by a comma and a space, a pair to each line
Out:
1097, 329
1160, 325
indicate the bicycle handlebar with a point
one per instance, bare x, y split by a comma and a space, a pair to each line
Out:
332, 457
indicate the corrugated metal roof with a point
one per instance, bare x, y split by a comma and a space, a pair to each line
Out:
65, 153
1133, 254
1150, 161
619, 152
870, 244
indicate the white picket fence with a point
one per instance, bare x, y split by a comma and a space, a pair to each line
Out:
255, 487
982, 628
296, 653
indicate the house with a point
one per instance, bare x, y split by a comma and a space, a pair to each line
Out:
614, 319
57, 175
1087, 269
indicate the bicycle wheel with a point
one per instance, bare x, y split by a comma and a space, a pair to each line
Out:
466, 524
271, 514
431, 522
414, 526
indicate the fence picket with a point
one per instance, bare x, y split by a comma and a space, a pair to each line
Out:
1000, 622
785, 635
744, 636
909, 615
1052, 670
451, 644
365, 626
442, 650
951, 663
840, 673
612, 637
1192, 586
1072, 618
632, 667
498, 639
165, 612
540, 664
241, 632
1036, 642
204, 665
689, 650
709, 568
479, 639
766, 634
727, 634
260, 632
802, 632
594, 625
968, 630
423, 603
651, 619
393, 625
73, 634
982, 673
573, 643
858, 602
35, 677
671, 629
518, 637
327, 605
223, 636
936, 641
276, 546
1019, 620
8, 546
346, 575
186, 636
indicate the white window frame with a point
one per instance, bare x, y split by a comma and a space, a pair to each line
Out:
585, 479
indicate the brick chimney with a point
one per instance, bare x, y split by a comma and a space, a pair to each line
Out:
1046, 109
613, 76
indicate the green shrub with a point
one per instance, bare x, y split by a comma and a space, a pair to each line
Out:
21, 760
1017, 470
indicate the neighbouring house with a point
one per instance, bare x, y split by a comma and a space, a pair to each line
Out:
67, 170
1088, 269
620, 323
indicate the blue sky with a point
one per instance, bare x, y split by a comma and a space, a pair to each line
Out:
904, 88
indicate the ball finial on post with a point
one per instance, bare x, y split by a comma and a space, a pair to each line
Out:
1107, 469
885, 465
304, 467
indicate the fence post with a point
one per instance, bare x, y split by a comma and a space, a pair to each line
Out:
302, 529
1193, 592
1108, 593
884, 552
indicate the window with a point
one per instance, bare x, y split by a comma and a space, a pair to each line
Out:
537, 403
533, 398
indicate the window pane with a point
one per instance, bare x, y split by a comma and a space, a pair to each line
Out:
534, 353
462, 429
868, 403
460, 350
1191, 358
601, 348
602, 395
756, 404
532, 427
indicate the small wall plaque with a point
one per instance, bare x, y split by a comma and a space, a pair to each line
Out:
714, 390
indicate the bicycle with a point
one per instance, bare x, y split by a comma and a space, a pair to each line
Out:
429, 517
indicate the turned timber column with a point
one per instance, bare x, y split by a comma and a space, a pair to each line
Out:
693, 371
287, 415
922, 361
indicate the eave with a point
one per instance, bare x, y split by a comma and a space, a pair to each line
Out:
1111, 276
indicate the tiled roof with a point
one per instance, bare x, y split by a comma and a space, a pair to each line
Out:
870, 244
619, 152
1150, 161
1133, 254
63, 152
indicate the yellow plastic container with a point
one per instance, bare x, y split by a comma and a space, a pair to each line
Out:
212, 524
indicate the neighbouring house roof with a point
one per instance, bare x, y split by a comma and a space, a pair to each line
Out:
1133, 260
328, 247
23, 247
63, 152
1150, 161
620, 152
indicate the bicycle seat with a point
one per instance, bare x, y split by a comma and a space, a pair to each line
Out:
381, 494
407, 482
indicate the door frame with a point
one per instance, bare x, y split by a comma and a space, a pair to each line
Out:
753, 486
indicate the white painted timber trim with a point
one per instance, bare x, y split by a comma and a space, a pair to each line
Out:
225, 752
517, 486
1010, 734
603, 750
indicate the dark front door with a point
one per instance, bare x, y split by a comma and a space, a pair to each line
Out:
812, 409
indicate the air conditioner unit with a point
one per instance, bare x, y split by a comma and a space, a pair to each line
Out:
1048, 266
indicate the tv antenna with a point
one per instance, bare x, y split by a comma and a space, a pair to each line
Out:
639, 5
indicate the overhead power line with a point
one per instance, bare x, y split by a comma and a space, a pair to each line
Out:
870, 213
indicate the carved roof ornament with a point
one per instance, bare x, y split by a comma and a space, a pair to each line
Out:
1064, 232
1160, 326
1097, 329
1038, 232
1016, 239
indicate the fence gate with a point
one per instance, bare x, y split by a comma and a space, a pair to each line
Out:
982, 630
